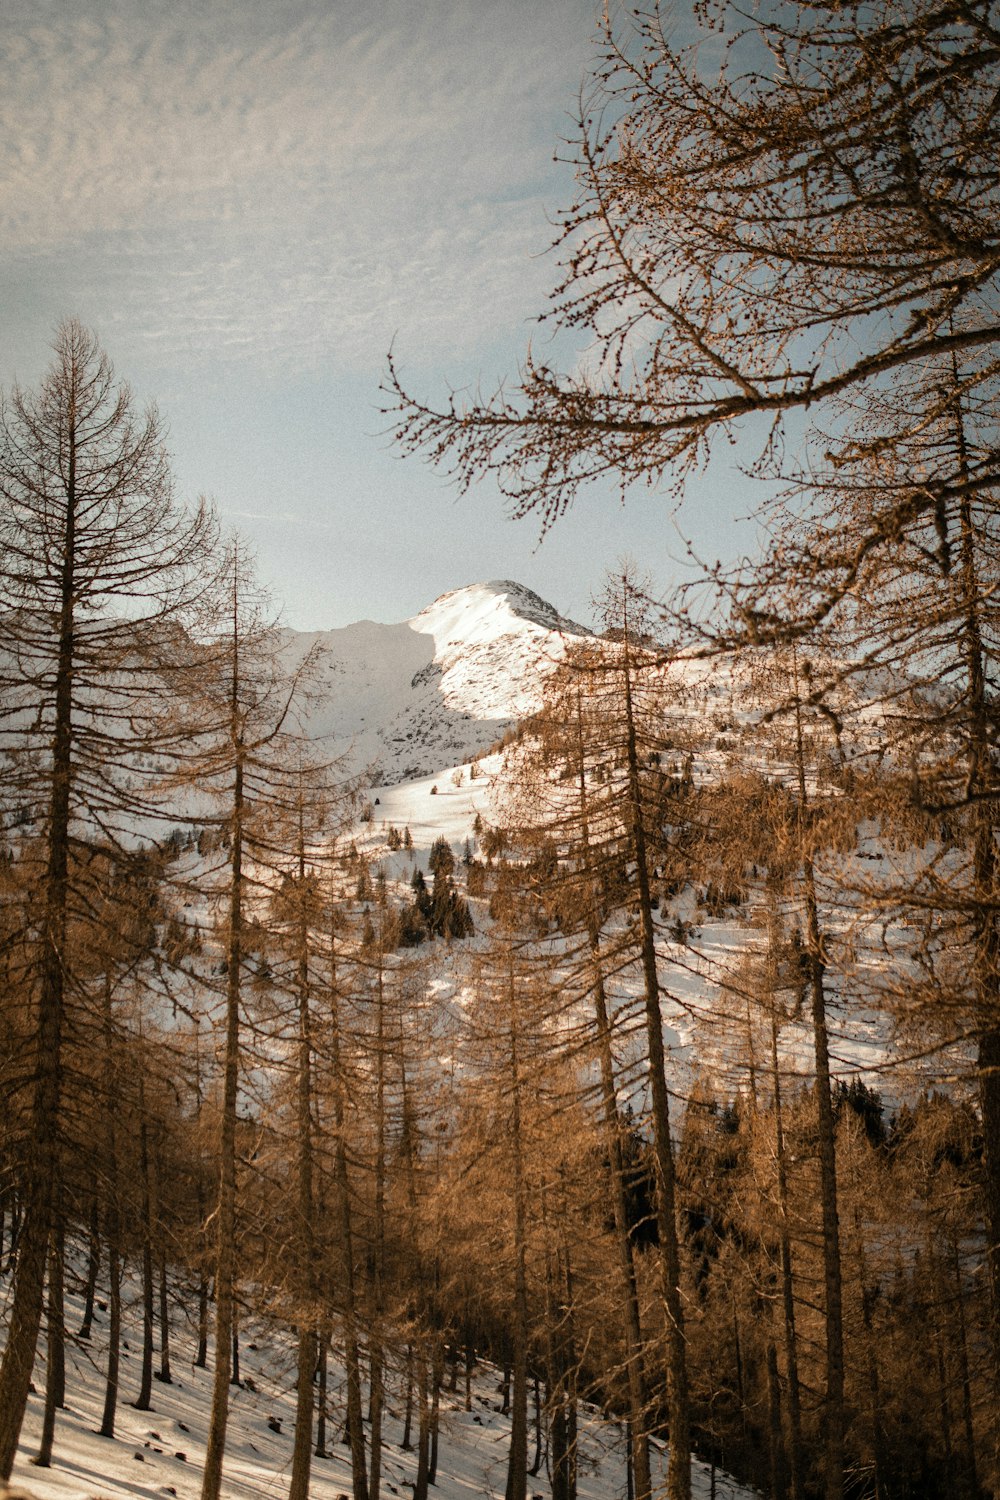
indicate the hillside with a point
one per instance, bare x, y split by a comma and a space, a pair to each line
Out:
409, 1035
410, 699
486, 651
160, 1452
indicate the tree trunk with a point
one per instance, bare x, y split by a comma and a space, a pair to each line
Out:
423, 1430
407, 1443
225, 1252
434, 1423
298, 1488
562, 1385
55, 1373
678, 1401
775, 1441
143, 1400
376, 1393
352, 1358
628, 1289
201, 1353
355, 1423
833, 1408
113, 1228
569, 1374
93, 1266
107, 1428
27, 1299
640, 1470
163, 1373
517, 1467
375, 1407
320, 1450
962, 1348
796, 1455
536, 1462
15, 1232
57, 1273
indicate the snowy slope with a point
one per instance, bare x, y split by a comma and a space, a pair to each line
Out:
417, 700
161, 1452
715, 708
409, 699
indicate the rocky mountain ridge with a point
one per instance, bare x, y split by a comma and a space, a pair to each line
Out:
406, 699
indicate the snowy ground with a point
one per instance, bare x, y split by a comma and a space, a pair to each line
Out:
704, 1028
160, 1453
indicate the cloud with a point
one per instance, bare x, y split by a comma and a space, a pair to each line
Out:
291, 182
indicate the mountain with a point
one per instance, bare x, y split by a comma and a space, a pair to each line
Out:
437, 689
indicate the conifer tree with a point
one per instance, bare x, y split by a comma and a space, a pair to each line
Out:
569, 742
892, 595
300, 831
606, 831
749, 241
246, 751
97, 570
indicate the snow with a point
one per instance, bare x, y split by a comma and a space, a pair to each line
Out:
484, 612
439, 688
433, 806
482, 654
161, 1452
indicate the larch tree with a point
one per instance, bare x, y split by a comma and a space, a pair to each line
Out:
624, 610
574, 743
306, 808
794, 210
596, 803
334, 1082
98, 570
244, 752
890, 594
763, 242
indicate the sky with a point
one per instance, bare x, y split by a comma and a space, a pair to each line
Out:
249, 202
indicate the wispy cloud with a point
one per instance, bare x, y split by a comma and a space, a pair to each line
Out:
289, 182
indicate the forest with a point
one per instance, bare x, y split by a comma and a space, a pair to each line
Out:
272, 1065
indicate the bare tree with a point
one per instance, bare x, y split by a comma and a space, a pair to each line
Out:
97, 569
242, 747
574, 838
894, 592
794, 210
594, 855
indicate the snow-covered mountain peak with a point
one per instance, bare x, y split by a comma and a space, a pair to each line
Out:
438, 689
483, 612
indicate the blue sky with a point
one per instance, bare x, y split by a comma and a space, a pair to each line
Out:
249, 202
